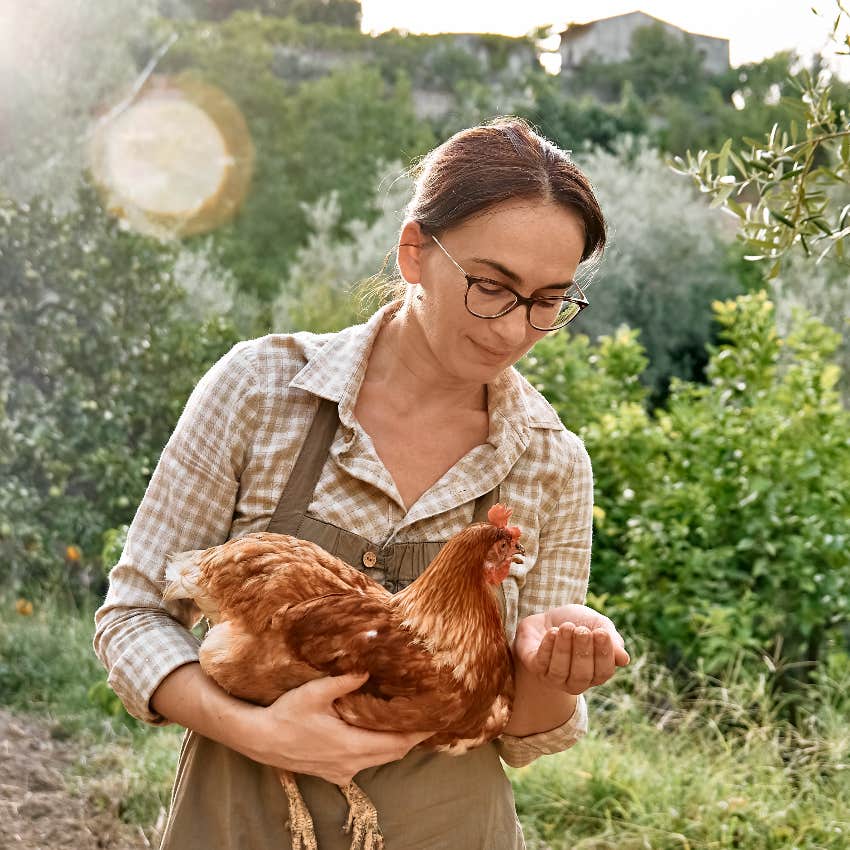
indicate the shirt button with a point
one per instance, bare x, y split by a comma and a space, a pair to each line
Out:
369, 559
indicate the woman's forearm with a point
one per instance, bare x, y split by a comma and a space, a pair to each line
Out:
299, 732
191, 698
537, 707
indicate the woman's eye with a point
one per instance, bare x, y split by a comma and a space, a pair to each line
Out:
488, 286
553, 301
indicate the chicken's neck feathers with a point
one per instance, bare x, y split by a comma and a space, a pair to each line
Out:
452, 612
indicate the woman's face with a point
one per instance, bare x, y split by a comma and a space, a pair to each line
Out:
529, 245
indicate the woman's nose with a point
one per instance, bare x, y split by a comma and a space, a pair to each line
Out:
512, 327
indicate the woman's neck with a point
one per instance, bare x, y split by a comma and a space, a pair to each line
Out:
410, 377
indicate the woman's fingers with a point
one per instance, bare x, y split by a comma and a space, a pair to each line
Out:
561, 661
545, 651
603, 652
574, 657
581, 670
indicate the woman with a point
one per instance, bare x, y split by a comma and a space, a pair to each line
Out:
425, 425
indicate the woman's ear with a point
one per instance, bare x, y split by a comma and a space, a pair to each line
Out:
410, 243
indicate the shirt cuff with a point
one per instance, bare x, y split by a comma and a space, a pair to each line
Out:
139, 670
519, 751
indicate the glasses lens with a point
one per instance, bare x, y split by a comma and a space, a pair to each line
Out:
555, 314
488, 299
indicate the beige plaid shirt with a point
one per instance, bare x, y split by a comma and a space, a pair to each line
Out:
224, 468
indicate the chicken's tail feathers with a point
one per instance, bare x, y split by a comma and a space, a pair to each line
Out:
182, 575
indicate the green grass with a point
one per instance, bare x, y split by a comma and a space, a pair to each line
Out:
47, 665
715, 769
48, 668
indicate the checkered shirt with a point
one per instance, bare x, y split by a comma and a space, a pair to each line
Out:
225, 465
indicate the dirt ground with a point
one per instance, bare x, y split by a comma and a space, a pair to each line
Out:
38, 811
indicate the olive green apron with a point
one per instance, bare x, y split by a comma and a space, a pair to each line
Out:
224, 801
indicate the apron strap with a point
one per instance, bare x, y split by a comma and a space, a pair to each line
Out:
298, 493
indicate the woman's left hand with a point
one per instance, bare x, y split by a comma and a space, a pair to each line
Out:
571, 648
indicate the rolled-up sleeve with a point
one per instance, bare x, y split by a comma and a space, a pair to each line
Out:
559, 577
188, 504
521, 751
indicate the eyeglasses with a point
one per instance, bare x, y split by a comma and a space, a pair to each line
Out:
488, 299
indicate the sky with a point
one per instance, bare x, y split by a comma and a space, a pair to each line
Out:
755, 29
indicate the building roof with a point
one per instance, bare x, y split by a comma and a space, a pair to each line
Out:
575, 29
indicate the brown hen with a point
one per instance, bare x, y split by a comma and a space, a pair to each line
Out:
284, 611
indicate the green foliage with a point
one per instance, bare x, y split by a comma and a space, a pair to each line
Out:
672, 99
451, 63
97, 357
583, 121
340, 13
759, 82
722, 520
321, 290
47, 665
313, 135
668, 257
587, 382
821, 289
711, 119
659, 63
103, 698
113, 545
788, 189
662, 62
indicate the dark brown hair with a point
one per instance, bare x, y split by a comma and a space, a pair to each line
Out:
504, 159
482, 166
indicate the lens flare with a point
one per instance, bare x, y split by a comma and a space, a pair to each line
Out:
176, 161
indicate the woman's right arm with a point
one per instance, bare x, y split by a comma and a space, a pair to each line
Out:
300, 732
188, 504
145, 644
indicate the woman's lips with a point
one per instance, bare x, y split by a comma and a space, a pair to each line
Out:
495, 354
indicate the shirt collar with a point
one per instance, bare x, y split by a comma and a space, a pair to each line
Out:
336, 368
335, 371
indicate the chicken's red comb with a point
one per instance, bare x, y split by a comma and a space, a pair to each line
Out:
499, 515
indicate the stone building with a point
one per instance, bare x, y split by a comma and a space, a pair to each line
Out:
610, 38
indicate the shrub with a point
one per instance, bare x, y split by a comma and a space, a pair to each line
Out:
722, 519
668, 258
98, 354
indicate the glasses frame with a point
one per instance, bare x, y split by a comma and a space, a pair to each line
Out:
581, 302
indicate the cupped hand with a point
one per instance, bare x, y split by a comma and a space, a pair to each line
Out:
302, 732
570, 648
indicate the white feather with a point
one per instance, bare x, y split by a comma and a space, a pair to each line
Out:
182, 572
